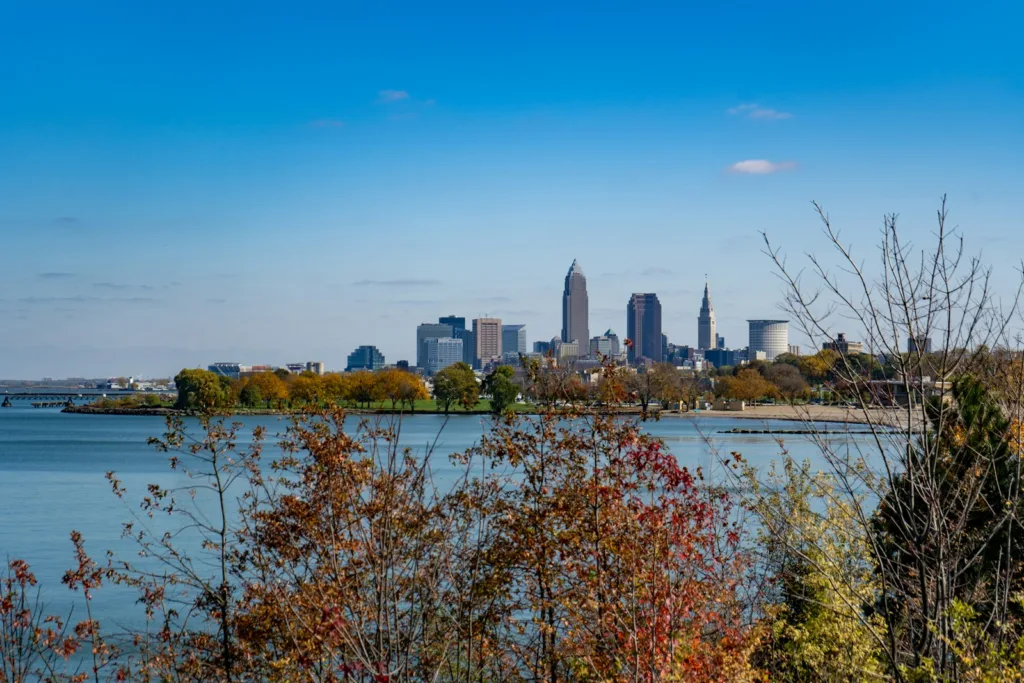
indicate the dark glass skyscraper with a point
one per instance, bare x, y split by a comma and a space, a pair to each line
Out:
575, 308
643, 327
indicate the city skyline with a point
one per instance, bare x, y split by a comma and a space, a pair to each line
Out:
295, 188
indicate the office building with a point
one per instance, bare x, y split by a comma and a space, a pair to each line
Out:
425, 331
919, 344
442, 352
769, 336
541, 347
842, 345
707, 337
643, 328
365, 358
486, 341
513, 339
719, 341
575, 307
567, 351
457, 322
725, 357
601, 346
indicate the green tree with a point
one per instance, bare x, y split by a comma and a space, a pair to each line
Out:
456, 384
250, 396
501, 386
200, 391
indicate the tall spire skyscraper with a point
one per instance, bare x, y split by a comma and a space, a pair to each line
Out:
706, 337
576, 308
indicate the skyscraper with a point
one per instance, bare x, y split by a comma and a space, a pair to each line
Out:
427, 331
513, 339
575, 307
441, 353
487, 337
458, 322
706, 337
643, 327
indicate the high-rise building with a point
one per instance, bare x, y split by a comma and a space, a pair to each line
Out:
575, 307
442, 352
719, 341
769, 336
457, 322
614, 338
427, 331
513, 339
919, 344
365, 358
487, 340
706, 335
606, 344
468, 345
643, 328
541, 347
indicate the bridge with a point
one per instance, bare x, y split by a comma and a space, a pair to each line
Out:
55, 396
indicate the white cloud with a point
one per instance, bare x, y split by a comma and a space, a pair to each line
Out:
756, 111
389, 96
761, 166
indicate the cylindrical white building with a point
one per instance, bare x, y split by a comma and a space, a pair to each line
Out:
770, 336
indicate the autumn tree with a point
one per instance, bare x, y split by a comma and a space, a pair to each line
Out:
363, 387
788, 381
264, 386
746, 385
307, 388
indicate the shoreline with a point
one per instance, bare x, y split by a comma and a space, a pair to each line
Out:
781, 413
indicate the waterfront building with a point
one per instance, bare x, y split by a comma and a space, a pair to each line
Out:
919, 344
487, 341
575, 307
513, 339
365, 358
707, 337
457, 322
442, 352
769, 336
643, 328
425, 331
843, 346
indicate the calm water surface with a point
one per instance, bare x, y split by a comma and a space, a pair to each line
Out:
52, 468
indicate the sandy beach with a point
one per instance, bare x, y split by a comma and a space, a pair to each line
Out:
805, 413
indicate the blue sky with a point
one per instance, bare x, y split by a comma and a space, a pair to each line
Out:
181, 183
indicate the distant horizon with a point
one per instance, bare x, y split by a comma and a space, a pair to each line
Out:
296, 184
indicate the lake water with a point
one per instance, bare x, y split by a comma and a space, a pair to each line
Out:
52, 468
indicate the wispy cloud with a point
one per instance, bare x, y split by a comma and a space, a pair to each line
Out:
656, 272
390, 96
109, 285
85, 299
56, 276
396, 283
326, 123
65, 220
761, 166
756, 111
